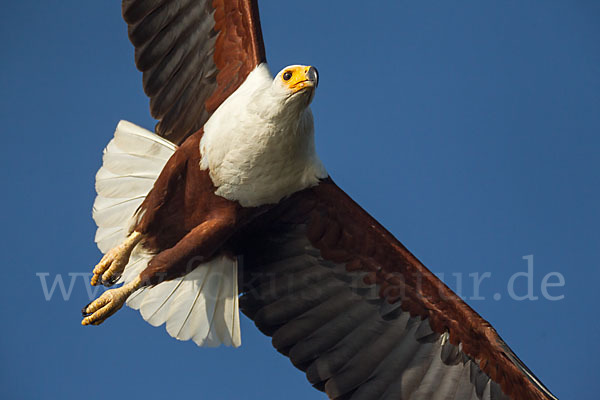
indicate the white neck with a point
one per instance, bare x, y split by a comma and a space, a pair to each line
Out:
257, 149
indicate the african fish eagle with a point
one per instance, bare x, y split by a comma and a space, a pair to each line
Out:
229, 198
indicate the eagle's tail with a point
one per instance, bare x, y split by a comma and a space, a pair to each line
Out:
202, 305
131, 163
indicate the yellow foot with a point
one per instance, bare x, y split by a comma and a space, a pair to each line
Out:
109, 303
111, 266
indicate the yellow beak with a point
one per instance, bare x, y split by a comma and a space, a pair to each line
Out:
301, 77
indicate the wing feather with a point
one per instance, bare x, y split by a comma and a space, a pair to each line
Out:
361, 315
193, 54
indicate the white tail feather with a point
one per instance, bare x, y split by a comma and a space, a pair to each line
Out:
202, 305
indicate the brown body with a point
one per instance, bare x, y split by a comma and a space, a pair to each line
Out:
183, 222
182, 215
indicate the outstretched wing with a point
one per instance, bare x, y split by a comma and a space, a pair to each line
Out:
351, 306
193, 55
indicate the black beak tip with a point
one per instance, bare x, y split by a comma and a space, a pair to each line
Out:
316, 74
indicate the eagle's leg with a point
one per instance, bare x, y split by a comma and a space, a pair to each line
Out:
113, 263
109, 303
197, 246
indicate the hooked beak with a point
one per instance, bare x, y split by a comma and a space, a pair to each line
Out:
307, 79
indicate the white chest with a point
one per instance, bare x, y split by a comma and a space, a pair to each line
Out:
255, 157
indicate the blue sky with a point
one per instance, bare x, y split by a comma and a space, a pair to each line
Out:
470, 129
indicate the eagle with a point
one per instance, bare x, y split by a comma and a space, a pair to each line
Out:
227, 206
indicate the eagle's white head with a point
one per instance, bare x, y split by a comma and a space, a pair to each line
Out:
296, 85
259, 144
284, 97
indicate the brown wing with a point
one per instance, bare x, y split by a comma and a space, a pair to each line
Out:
351, 306
193, 55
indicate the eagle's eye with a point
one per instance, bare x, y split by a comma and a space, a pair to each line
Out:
287, 75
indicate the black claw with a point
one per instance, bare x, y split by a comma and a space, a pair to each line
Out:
85, 313
110, 282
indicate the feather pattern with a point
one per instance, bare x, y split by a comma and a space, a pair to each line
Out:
193, 55
361, 315
349, 343
201, 305
132, 161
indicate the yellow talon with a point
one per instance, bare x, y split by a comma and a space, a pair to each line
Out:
108, 303
113, 263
